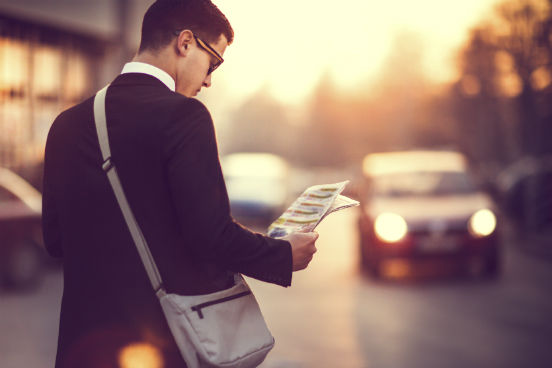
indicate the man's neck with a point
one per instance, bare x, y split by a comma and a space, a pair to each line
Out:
158, 60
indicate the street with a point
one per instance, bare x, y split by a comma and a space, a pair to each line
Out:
333, 316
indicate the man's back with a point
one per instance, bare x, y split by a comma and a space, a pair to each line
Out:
164, 149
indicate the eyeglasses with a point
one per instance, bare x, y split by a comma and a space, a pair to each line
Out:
205, 46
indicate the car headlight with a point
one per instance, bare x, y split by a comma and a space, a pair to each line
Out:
390, 227
482, 223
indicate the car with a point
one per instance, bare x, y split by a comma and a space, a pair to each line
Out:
419, 207
258, 186
21, 244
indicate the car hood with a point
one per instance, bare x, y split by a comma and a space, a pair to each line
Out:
415, 209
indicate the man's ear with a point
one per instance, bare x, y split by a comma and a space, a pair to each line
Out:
183, 42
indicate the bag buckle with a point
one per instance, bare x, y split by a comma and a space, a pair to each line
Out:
160, 292
107, 164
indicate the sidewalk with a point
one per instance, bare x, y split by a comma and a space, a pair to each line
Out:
538, 244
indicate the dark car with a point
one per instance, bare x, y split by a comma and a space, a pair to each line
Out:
421, 208
524, 190
20, 231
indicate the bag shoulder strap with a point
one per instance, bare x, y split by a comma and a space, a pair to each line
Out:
109, 168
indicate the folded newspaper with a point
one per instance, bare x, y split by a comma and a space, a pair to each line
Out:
310, 208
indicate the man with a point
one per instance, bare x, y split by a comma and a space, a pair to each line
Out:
163, 145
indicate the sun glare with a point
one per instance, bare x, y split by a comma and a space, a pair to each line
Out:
287, 45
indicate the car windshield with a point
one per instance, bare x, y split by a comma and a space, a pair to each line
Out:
423, 183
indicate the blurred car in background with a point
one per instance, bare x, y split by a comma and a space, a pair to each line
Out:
420, 206
21, 245
258, 186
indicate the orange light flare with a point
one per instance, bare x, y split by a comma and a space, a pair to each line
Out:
140, 355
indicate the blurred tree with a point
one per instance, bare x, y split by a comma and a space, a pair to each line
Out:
521, 27
504, 89
345, 125
545, 41
436, 126
323, 137
402, 88
477, 107
261, 124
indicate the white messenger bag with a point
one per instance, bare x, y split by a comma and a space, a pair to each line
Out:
222, 329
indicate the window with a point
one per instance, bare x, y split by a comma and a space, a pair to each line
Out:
42, 72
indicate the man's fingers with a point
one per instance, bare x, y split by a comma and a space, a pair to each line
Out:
306, 263
303, 248
305, 260
313, 235
309, 234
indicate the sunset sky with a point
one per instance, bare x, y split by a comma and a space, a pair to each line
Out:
287, 45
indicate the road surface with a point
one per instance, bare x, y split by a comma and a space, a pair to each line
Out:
333, 316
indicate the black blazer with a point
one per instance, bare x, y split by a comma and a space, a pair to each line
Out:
165, 151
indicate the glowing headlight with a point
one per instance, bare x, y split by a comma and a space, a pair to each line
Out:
482, 223
390, 227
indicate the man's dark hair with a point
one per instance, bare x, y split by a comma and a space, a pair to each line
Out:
165, 17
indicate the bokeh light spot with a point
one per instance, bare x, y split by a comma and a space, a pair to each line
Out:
140, 355
509, 84
470, 85
540, 78
504, 62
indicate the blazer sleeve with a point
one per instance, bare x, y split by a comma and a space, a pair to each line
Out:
201, 202
50, 222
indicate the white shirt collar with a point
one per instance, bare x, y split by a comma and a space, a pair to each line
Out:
144, 68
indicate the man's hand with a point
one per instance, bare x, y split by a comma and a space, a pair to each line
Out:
302, 248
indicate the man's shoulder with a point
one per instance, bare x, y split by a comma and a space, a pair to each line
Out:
187, 106
79, 108
150, 96
166, 105
189, 125
79, 112
186, 112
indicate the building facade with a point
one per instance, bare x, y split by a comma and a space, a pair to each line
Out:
54, 54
